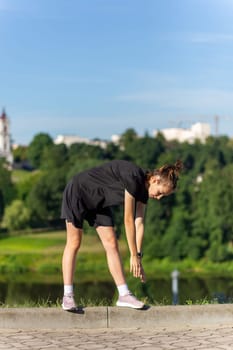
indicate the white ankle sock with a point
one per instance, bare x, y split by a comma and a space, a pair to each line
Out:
123, 289
68, 289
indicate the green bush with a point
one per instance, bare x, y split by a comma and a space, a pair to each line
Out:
16, 216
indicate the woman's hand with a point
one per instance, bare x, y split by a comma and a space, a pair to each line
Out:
136, 267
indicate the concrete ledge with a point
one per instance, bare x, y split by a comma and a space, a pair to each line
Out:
170, 316
53, 318
116, 317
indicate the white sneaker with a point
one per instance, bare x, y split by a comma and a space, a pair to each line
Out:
68, 302
129, 300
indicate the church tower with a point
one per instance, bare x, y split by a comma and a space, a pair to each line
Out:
5, 137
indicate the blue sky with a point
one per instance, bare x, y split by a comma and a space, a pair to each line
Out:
95, 68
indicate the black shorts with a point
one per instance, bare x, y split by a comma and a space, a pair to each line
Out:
72, 211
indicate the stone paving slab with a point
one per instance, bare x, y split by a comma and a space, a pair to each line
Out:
171, 338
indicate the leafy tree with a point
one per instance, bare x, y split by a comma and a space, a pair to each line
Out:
212, 219
7, 189
128, 137
144, 151
36, 148
45, 198
113, 151
156, 223
20, 154
55, 156
25, 185
176, 238
158, 216
84, 151
2, 204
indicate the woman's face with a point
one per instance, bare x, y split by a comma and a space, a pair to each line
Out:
158, 189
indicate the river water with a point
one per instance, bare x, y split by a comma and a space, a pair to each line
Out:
156, 291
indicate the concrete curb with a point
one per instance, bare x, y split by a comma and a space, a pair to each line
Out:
116, 317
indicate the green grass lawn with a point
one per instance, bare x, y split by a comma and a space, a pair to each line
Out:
33, 243
41, 254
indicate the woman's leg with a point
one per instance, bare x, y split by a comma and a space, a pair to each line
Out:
109, 241
73, 242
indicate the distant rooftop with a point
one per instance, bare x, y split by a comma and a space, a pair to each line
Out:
197, 131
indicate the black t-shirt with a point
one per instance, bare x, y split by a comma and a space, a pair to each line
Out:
105, 185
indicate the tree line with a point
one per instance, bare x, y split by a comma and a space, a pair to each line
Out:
195, 222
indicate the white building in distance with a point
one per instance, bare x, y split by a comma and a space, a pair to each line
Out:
5, 138
197, 131
68, 140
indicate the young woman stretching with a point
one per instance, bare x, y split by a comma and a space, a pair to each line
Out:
90, 195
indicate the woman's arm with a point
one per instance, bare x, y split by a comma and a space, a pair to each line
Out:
129, 211
130, 229
139, 224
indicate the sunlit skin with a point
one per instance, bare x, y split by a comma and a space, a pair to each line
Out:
157, 188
